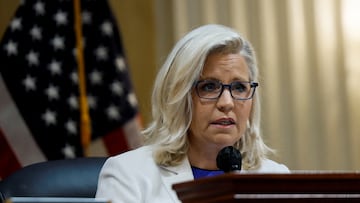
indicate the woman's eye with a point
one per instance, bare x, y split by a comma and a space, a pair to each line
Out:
239, 87
209, 86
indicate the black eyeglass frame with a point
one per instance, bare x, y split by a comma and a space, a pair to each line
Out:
253, 86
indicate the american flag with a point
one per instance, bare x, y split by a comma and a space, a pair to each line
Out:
39, 85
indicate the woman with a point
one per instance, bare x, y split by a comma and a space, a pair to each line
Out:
204, 99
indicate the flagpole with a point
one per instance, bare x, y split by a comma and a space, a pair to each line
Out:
85, 126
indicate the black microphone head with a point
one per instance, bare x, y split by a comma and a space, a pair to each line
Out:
229, 159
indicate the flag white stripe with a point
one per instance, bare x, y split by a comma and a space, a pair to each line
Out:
132, 133
16, 131
97, 148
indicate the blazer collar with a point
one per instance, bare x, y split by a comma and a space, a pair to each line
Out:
176, 174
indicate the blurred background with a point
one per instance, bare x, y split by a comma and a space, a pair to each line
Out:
309, 59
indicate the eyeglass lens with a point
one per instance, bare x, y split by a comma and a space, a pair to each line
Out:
211, 89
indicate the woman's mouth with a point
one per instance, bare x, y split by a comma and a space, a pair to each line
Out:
224, 121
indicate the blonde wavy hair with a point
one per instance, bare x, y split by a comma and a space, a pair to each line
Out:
172, 103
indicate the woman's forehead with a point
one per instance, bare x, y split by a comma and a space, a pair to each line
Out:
218, 66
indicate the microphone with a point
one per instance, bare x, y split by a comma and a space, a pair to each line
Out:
229, 159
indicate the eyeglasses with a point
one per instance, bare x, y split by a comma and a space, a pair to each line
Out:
212, 89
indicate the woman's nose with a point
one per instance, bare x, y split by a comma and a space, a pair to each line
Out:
225, 101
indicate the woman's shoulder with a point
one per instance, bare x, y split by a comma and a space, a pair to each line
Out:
270, 166
141, 151
135, 157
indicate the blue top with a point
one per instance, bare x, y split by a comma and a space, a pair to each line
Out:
202, 173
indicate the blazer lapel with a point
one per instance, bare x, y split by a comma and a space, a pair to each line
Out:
176, 174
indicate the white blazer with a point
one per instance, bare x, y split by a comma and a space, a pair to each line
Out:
134, 177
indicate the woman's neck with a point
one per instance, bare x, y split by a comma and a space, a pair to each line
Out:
203, 158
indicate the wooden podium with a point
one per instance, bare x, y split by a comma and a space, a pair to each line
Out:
295, 187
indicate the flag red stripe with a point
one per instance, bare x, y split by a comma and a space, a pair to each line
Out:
115, 142
7, 158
